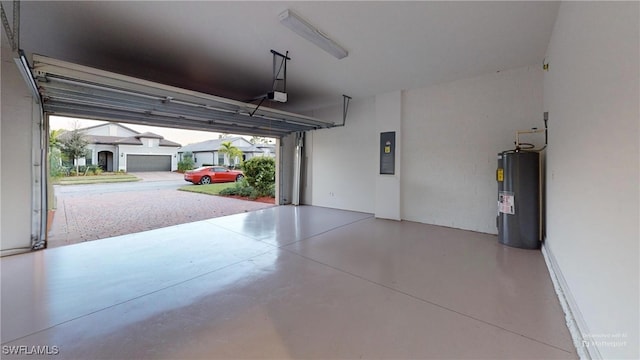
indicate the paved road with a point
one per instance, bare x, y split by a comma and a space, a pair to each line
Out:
149, 181
90, 212
83, 190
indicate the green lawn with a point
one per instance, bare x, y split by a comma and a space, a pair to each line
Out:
94, 179
210, 189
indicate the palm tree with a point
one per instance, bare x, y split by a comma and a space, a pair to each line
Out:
54, 142
231, 151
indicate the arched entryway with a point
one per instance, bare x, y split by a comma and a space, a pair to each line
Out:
105, 160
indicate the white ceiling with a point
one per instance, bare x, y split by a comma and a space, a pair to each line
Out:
222, 48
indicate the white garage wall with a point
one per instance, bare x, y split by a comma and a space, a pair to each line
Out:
342, 162
388, 186
452, 134
592, 94
16, 156
450, 137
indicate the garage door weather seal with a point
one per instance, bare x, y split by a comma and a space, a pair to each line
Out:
73, 90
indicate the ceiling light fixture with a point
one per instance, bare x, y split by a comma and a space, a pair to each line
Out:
301, 27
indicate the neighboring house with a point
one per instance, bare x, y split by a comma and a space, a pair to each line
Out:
207, 152
116, 147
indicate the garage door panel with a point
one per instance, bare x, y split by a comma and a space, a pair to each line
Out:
113, 112
73, 90
143, 163
123, 102
92, 113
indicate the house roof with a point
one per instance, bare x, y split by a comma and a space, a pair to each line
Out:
265, 146
164, 142
120, 140
101, 125
149, 135
112, 140
214, 145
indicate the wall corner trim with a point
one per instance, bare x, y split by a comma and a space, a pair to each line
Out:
575, 322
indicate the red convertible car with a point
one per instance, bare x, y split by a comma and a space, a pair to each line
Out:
212, 174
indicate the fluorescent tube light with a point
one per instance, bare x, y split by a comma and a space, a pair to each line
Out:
301, 27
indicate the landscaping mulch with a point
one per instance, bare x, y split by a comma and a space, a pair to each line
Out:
264, 199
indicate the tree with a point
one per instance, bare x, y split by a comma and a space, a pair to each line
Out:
74, 146
259, 140
231, 151
54, 142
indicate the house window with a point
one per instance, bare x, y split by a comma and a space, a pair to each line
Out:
89, 158
220, 159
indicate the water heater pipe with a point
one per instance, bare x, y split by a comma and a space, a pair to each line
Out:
532, 131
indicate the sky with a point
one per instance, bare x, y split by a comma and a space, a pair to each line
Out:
182, 137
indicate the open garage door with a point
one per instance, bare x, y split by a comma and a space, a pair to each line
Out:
67, 89
72, 90
78, 91
142, 163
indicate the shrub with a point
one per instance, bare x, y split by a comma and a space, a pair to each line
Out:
248, 191
186, 163
240, 189
55, 163
184, 166
260, 174
230, 190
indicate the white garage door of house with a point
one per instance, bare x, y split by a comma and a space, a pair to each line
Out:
73, 90
141, 163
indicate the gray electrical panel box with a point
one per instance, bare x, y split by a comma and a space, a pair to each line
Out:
518, 179
388, 153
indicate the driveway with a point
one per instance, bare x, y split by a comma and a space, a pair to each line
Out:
91, 212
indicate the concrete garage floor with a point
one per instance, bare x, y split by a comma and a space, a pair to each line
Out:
285, 282
90, 212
